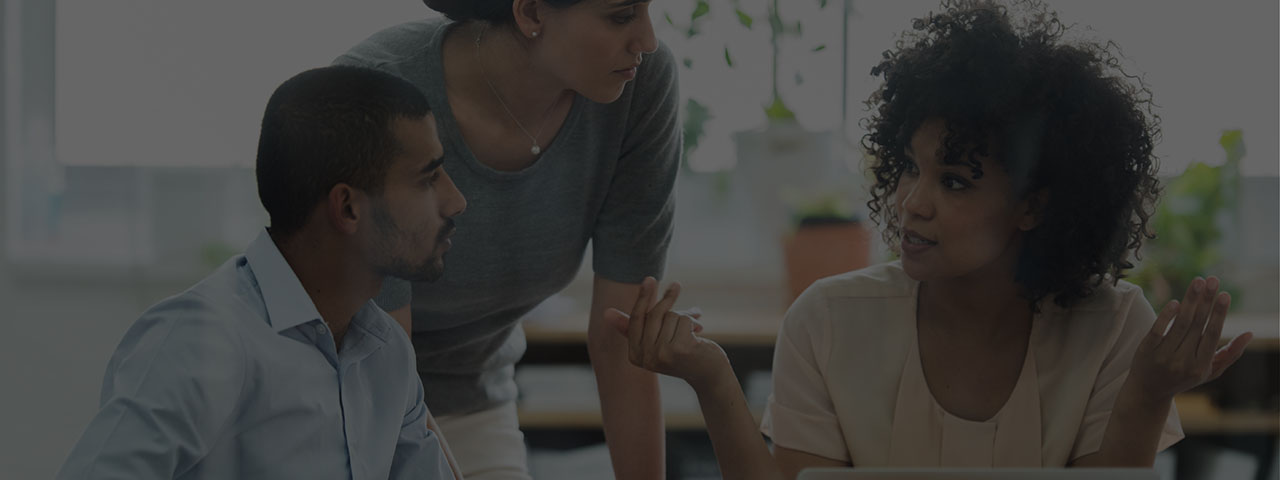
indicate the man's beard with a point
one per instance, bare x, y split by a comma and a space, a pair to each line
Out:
394, 247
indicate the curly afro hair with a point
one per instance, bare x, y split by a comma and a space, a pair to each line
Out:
1060, 117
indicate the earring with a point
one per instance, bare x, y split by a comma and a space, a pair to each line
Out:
534, 33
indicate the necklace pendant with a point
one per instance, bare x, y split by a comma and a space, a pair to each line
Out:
535, 150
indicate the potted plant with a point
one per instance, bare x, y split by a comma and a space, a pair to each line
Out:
1195, 208
776, 111
779, 154
828, 238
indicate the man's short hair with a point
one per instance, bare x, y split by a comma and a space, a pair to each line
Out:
327, 126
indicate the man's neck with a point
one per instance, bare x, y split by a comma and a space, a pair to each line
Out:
333, 276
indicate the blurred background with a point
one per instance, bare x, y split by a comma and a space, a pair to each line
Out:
129, 133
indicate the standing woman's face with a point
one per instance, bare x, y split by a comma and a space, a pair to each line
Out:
594, 46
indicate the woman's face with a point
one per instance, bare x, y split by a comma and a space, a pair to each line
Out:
952, 224
595, 46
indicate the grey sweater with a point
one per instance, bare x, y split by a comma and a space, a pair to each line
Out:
607, 180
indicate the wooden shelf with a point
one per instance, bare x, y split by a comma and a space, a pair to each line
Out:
592, 420
759, 329
1198, 418
726, 327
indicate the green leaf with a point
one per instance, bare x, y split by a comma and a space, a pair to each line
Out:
669, 20
778, 111
822, 3
728, 59
775, 25
696, 116
701, 9
1233, 142
744, 19
688, 62
819, 48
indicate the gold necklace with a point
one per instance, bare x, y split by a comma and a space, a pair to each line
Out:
535, 149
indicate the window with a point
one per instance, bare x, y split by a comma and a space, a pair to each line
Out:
117, 116
124, 120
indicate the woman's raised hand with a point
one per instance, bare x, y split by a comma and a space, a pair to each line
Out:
666, 341
1181, 350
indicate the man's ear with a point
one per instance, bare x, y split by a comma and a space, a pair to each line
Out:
343, 208
1033, 209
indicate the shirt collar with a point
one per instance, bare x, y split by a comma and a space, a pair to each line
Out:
288, 304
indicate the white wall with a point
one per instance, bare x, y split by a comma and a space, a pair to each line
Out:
194, 76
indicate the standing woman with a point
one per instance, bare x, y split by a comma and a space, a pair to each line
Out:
559, 122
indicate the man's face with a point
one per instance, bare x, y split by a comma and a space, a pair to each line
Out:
413, 216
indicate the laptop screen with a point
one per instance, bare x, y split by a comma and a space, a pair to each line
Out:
979, 474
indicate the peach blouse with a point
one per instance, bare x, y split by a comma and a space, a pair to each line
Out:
848, 383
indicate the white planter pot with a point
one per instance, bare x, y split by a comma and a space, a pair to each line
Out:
778, 157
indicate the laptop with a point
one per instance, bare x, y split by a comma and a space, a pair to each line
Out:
979, 474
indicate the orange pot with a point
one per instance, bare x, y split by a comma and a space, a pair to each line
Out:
817, 251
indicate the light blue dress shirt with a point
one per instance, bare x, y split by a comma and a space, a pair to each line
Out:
239, 378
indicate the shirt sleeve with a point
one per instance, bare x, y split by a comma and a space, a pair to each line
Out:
171, 388
800, 414
1138, 319
634, 226
419, 455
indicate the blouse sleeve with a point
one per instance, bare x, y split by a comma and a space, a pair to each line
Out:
1138, 318
800, 414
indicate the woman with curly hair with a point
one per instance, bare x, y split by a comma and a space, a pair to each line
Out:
1014, 175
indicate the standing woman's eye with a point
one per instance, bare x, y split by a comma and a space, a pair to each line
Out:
624, 17
431, 179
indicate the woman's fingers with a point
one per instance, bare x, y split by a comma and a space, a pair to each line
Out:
694, 313
1182, 322
669, 324
1228, 355
1157, 333
668, 300
657, 314
684, 330
1213, 331
635, 328
619, 320
1204, 304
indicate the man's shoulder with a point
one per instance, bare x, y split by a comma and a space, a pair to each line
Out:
217, 308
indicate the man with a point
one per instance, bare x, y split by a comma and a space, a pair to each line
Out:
278, 365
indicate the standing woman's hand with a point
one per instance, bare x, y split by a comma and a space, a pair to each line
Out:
1175, 358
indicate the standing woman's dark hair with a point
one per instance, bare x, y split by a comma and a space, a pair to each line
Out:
492, 11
